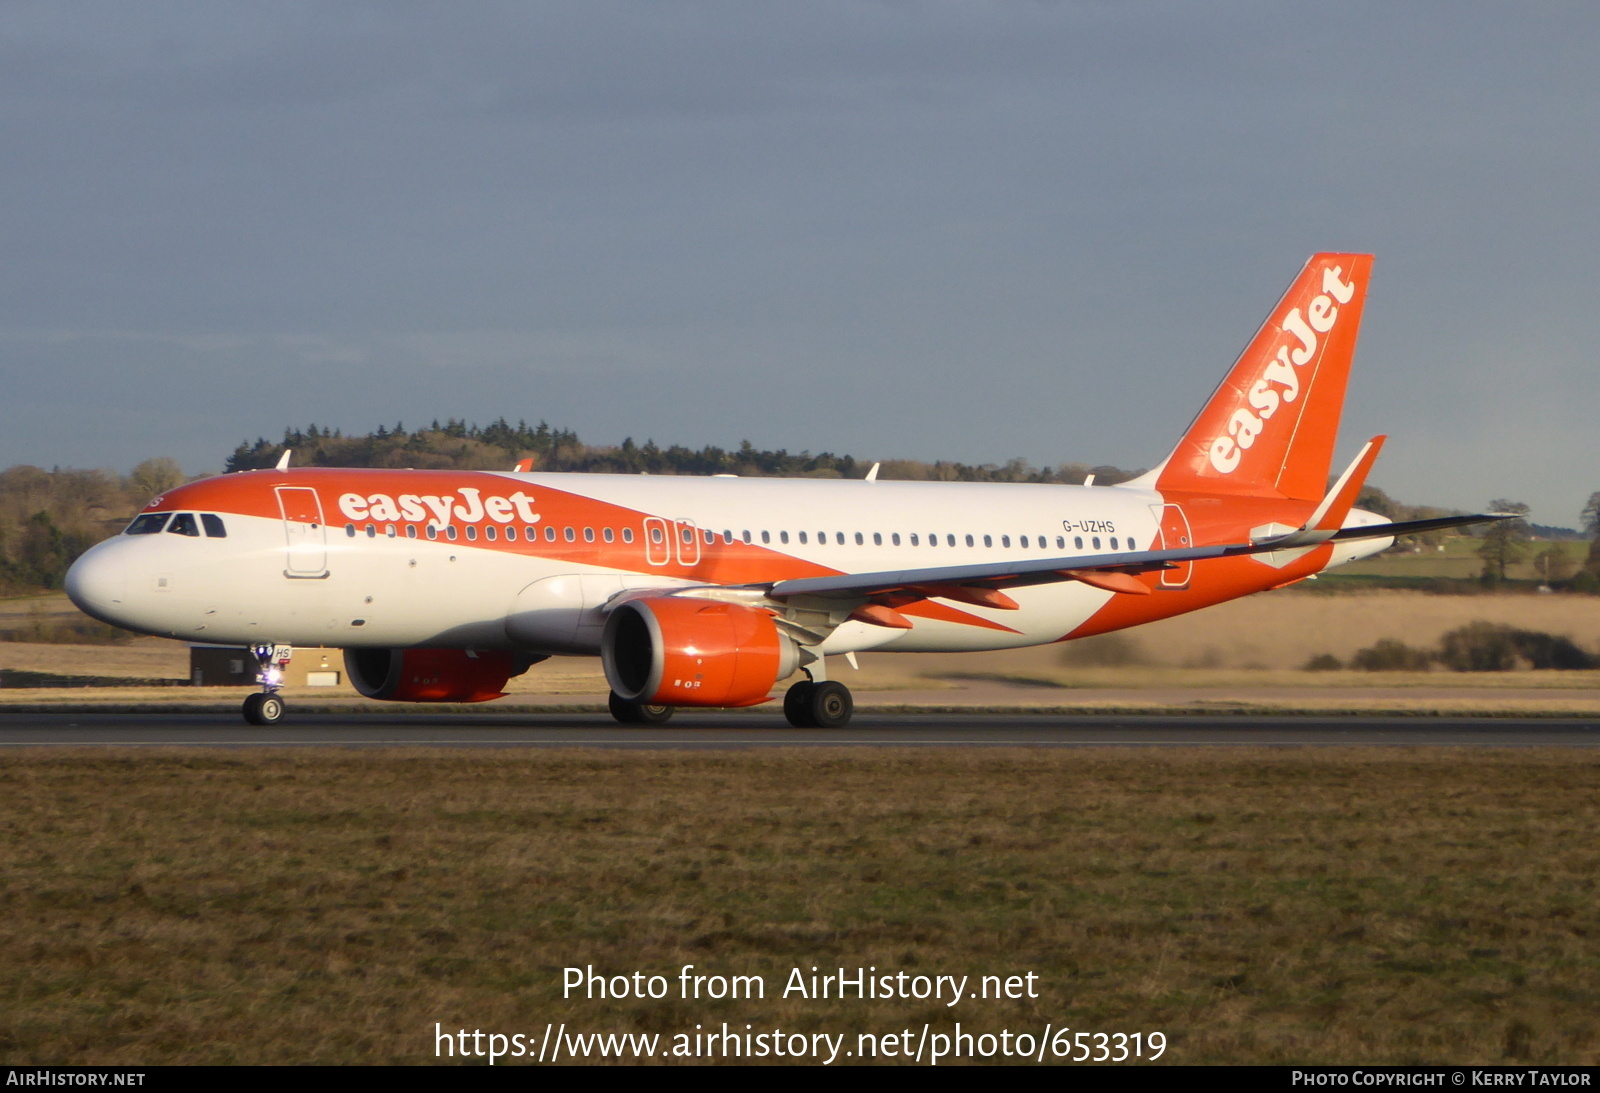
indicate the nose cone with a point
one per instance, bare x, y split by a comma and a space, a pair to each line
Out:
98, 583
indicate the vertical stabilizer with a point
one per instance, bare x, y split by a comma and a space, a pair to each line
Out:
1270, 428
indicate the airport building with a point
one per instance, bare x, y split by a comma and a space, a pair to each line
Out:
230, 666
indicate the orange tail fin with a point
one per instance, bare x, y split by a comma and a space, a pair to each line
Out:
1270, 428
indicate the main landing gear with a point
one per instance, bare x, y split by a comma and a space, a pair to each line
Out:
265, 707
807, 705
812, 705
638, 713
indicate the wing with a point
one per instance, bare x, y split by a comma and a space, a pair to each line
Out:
1110, 571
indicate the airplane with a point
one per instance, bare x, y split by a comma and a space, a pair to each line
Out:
711, 591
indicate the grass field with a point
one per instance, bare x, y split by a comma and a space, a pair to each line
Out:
1254, 905
1458, 557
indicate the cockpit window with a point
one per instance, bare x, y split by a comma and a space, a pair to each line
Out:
213, 525
183, 523
147, 524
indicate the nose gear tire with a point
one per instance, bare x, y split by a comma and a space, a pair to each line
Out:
263, 709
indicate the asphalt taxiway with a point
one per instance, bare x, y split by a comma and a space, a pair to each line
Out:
719, 729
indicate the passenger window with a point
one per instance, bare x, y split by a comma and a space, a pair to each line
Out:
472, 532
655, 535
745, 535
627, 535
1096, 542
411, 531
838, 537
895, 538
148, 524
1130, 544
783, 536
433, 531
372, 532
1005, 540
511, 534
588, 535
707, 534
802, 538
1061, 542
859, 540
766, 537
1113, 542
450, 533
350, 530
969, 541
1077, 542
913, 538
213, 525
569, 535
987, 541
877, 539
388, 529
183, 523
549, 533
933, 540
950, 540
489, 533
609, 535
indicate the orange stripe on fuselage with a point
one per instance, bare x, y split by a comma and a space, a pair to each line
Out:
1214, 580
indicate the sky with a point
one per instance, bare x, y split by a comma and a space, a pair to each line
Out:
970, 231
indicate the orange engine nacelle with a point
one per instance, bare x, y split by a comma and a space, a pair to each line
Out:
434, 675
677, 651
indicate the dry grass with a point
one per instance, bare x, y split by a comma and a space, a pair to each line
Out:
143, 658
1328, 905
1285, 629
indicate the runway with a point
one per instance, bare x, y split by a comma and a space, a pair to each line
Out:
718, 729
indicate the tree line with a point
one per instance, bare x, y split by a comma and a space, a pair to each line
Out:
457, 445
48, 518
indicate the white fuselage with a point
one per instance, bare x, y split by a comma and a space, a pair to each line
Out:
384, 582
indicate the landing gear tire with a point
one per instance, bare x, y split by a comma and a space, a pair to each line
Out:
638, 713
810, 705
797, 705
263, 709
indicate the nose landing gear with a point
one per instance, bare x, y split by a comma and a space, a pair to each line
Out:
265, 707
